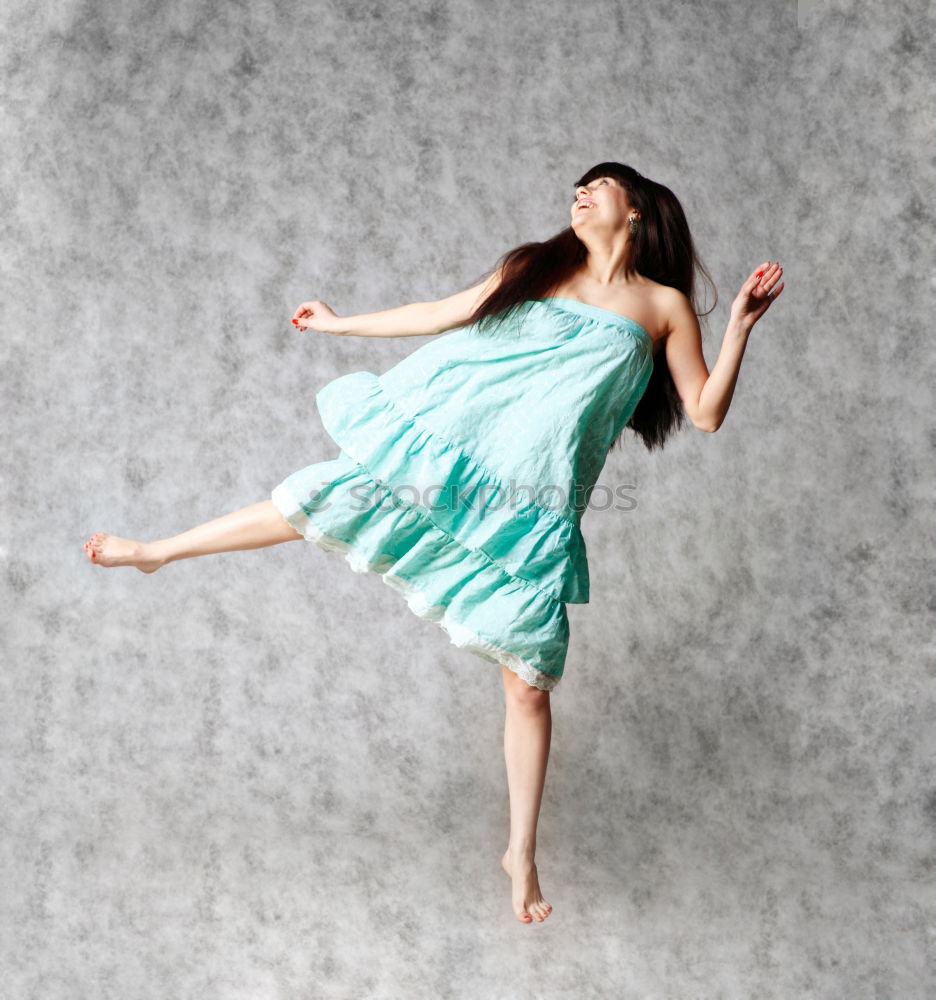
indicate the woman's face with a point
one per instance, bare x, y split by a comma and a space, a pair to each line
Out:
600, 204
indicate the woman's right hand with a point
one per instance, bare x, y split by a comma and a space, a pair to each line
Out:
315, 315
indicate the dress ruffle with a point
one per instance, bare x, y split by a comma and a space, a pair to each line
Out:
341, 507
469, 502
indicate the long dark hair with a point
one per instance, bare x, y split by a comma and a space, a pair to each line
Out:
662, 250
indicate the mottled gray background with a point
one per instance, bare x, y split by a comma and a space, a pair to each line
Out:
258, 775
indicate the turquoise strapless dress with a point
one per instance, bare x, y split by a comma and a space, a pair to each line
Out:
464, 471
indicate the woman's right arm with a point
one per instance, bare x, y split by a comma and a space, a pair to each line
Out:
417, 319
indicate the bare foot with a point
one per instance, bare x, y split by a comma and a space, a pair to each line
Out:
526, 899
110, 550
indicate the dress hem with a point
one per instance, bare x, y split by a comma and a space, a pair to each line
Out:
459, 635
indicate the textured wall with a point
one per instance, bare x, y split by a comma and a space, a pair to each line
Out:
257, 775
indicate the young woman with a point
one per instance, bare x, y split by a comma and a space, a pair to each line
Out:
464, 470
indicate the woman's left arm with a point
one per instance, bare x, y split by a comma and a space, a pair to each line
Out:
706, 396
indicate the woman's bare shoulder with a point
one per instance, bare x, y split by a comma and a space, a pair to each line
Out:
669, 302
664, 293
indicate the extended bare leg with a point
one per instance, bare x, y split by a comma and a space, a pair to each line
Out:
527, 732
252, 527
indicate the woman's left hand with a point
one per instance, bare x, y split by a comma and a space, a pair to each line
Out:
757, 293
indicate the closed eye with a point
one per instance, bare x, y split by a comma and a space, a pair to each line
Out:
603, 180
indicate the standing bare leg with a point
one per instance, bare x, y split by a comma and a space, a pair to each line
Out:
252, 527
527, 732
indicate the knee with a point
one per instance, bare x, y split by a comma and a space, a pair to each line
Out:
523, 696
